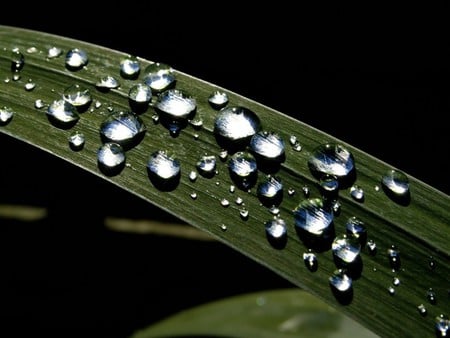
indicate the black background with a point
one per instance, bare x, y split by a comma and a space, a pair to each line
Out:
374, 77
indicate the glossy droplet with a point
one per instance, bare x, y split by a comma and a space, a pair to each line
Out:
239, 200
442, 326
54, 52
291, 191
6, 115
111, 158
336, 207
391, 290
311, 262
274, 210
123, 127
276, 232
345, 249
30, 85
244, 213
175, 108
223, 155
224, 202
371, 247
394, 258
197, 123
396, 281
163, 170
396, 183
234, 126
62, 113
232, 189
340, 282
313, 216
329, 184
305, 190
39, 104
431, 296
357, 193
107, 82
422, 310
139, 97
77, 95
76, 59
218, 99
243, 169
17, 60
192, 176
32, 50
193, 195
331, 159
159, 77
268, 146
356, 228
206, 166
130, 68
431, 263
270, 191
223, 227
292, 140
76, 141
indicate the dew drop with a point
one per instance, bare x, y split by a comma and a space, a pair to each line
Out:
297, 147
422, 310
442, 326
54, 52
431, 263
111, 158
396, 281
76, 141
123, 127
371, 247
32, 50
76, 59
268, 146
340, 282
356, 228
305, 190
30, 85
175, 108
291, 192
6, 115
206, 166
218, 99
274, 210
270, 191
197, 123
130, 68
329, 184
163, 170
39, 104
391, 290
357, 193
62, 113
193, 195
293, 140
345, 249
223, 155
243, 212
331, 159
311, 262
243, 169
223, 227
394, 258
276, 232
395, 182
192, 176
239, 200
336, 207
16, 77
107, 82
17, 61
224, 202
77, 96
377, 188
431, 296
159, 77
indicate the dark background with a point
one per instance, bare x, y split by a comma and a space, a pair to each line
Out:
377, 78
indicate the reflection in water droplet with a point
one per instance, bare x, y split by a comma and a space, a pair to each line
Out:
270, 191
123, 127
62, 113
224, 202
111, 158
243, 169
431, 296
276, 232
192, 176
357, 193
345, 249
54, 52
331, 159
396, 183
76, 59
356, 228
268, 146
17, 61
244, 213
422, 310
234, 126
329, 184
311, 261
76, 141
340, 281
77, 96
218, 99
30, 85
391, 290
442, 326
159, 77
130, 68
164, 171
6, 115
371, 247
394, 258
206, 166
39, 104
107, 82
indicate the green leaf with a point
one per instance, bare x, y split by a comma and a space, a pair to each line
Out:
284, 313
419, 230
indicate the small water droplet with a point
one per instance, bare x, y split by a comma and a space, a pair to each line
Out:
329, 184
97, 104
130, 68
155, 118
32, 50
442, 326
77, 96
232, 189
76, 141
391, 290
234, 126
270, 191
291, 192
17, 61
396, 183
297, 147
111, 158
431, 263
377, 188
340, 281
276, 232
7, 80
267, 146
123, 127
159, 77
396, 281
243, 169
218, 99
422, 310
394, 258
16, 77
39, 104
223, 155
30, 85
239, 200
54, 52
163, 170
206, 166
371, 247
224, 202
293, 140
107, 82
76, 59
6, 115
62, 113
192, 176
223, 227
274, 210
311, 262
243, 212
356, 228
305, 190
345, 250
193, 195
331, 159
336, 207
197, 123
431, 296
357, 193
175, 108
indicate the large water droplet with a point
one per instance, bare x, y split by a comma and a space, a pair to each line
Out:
396, 186
267, 147
130, 68
442, 326
17, 61
206, 166
218, 99
276, 232
111, 158
6, 115
234, 126
331, 159
76, 59
76, 141
123, 127
341, 286
314, 223
270, 191
243, 169
394, 258
77, 96
345, 250
62, 114
163, 170
139, 97
311, 262
159, 77
107, 82
356, 228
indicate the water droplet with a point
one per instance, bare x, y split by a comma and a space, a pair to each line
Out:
107, 82
175, 108
331, 159
305, 190
192, 176
340, 281
239, 200
30, 85
345, 250
62, 114
396, 182
193, 195
297, 147
39, 104
16, 77
197, 123
234, 126
371, 247
7, 80
224, 202
396, 281
123, 127
314, 223
274, 210
54, 52
276, 232
218, 99
76, 59
206, 166
357, 193
329, 184
159, 77
111, 158
155, 118
32, 50
391, 290
442, 326
267, 146
291, 191
163, 170
431, 263
223, 155
77, 96
223, 227
431, 296
17, 61
6, 115
293, 140
130, 68
311, 262
243, 169
377, 188
336, 207
244, 213
270, 191
422, 310
356, 228
394, 258
76, 141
